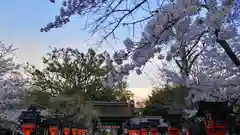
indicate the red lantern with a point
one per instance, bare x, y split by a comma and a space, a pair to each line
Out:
79, 131
53, 130
83, 132
74, 131
138, 132
154, 131
131, 132
28, 128
187, 132
144, 131
66, 131
173, 131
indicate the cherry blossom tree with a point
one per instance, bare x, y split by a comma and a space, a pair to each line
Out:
104, 16
13, 87
175, 25
215, 76
182, 24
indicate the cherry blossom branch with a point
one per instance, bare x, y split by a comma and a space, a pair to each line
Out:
139, 21
224, 44
121, 19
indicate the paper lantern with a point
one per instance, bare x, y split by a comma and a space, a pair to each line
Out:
66, 131
154, 131
144, 131
173, 131
28, 128
74, 131
131, 132
53, 130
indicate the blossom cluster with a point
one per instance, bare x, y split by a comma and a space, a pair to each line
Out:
68, 9
12, 85
176, 25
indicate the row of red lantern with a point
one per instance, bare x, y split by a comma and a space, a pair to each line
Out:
211, 128
66, 131
216, 130
171, 131
28, 128
108, 127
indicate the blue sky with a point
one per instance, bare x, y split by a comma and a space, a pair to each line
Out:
20, 24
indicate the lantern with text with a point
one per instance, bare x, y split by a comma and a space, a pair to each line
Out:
215, 117
28, 128
154, 131
131, 132
52, 124
29, 120
74, 129
143, 131
66, 127
81, 130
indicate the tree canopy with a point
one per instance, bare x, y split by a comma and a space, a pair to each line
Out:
13, 87
67, 71
69, 78
169, 98
174, 27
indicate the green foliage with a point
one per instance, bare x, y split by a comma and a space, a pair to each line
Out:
168, 94
69, 78
165, 98
68, 70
